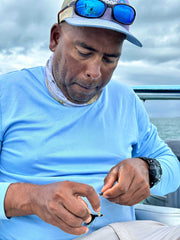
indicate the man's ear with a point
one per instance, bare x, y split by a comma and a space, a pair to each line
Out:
54, 37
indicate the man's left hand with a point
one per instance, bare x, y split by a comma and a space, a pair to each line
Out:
128, 182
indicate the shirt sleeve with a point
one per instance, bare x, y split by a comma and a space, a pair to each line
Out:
3, 185
149, 144
3, 190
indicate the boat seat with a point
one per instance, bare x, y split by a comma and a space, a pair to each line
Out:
171, 199
165, 209
175, 146
167, 215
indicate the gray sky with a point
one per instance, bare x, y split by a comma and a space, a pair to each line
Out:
25, 27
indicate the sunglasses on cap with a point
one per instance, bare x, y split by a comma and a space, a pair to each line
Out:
122, 13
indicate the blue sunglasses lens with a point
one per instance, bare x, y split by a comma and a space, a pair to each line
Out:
124, 14
89, 8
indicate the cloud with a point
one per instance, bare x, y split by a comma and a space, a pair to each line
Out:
145, 73
26, 24
158, 27
16, 59
25, 29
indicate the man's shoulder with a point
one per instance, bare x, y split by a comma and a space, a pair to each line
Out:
35, 72
119, 89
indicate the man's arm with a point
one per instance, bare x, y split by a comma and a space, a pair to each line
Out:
59, 204
128, 182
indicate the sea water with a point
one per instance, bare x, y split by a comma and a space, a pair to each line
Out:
168, 128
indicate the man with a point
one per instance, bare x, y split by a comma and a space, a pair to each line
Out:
68, 133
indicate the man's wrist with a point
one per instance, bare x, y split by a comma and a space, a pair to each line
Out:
155, 170
17, 201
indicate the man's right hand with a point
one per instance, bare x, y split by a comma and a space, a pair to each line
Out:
59, 204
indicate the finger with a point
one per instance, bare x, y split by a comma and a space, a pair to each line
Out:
68, 218
77, 208
88, 192
122, 186
58, 222
117, 190
87, 220
130, 199
85, 203
110, 179
135, 194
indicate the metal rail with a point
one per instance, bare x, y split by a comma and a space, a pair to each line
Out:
158, 92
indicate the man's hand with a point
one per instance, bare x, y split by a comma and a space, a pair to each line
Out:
128, 182
59, 204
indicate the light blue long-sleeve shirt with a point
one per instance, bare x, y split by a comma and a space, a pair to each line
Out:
43, 141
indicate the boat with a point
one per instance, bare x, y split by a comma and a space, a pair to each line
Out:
165, 209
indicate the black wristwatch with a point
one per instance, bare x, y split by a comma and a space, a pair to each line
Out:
155, 170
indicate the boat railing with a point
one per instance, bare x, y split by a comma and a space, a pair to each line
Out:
157, 92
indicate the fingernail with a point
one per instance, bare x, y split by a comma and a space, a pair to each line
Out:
106, 196
87, 230
102, 190
88, 220
98, 209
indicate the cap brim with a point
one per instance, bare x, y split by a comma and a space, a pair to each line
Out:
102, 23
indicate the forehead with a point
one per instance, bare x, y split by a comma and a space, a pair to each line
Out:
101, 40
96, 35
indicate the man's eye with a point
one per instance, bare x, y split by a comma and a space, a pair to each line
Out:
82, 54
108, 60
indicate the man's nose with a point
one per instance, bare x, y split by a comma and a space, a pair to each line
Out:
93, 70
